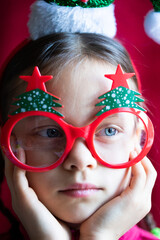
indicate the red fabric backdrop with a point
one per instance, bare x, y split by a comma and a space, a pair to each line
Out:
144, 52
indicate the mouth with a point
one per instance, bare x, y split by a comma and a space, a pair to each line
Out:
79, 190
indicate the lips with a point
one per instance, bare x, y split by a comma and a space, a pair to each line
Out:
80, 190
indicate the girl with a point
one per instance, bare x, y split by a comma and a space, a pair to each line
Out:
81, 197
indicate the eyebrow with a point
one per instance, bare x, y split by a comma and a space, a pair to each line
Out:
117, 118
115, 115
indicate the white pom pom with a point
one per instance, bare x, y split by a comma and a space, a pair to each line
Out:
49, 18
152, 25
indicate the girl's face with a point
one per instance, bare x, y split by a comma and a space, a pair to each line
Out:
80, 185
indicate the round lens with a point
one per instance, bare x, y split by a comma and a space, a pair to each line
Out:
38, 141
119, 138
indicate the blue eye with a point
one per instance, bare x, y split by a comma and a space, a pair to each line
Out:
110, 131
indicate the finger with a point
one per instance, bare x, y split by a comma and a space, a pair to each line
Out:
9, 167
138, 179
19, 175
151, 173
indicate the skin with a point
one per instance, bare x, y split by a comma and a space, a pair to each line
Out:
42, 196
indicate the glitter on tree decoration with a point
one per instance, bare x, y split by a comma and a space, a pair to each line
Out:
120, 96
36, 97
82, 3
36, 100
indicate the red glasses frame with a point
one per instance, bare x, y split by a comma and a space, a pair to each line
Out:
72, 133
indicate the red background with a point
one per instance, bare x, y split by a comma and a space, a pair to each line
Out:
144, 52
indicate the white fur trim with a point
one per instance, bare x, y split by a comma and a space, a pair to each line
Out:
49, 18
152, 25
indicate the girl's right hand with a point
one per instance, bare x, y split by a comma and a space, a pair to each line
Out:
37, 220
117, 216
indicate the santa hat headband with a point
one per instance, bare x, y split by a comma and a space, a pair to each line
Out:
152, 22
54, 16
91, 16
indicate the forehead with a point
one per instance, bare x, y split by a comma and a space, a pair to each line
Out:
85, 72
79, 86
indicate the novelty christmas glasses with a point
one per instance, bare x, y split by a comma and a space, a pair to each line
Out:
36, 137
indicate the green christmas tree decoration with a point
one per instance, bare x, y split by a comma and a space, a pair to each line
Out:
119, 97
82, 3
156, 5
36, 100
36, 97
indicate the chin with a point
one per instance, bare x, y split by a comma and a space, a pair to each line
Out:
76, 217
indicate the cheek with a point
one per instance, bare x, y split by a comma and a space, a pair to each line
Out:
43, 183
115, 153
39, 158
45, 187
116, 181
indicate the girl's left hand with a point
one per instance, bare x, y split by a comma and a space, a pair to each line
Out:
117, 216
37, 220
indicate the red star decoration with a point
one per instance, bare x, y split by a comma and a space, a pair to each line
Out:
119, 78
36, 80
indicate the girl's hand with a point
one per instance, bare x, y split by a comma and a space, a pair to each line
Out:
116, 217
37, 220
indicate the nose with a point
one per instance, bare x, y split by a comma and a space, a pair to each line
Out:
80, 157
